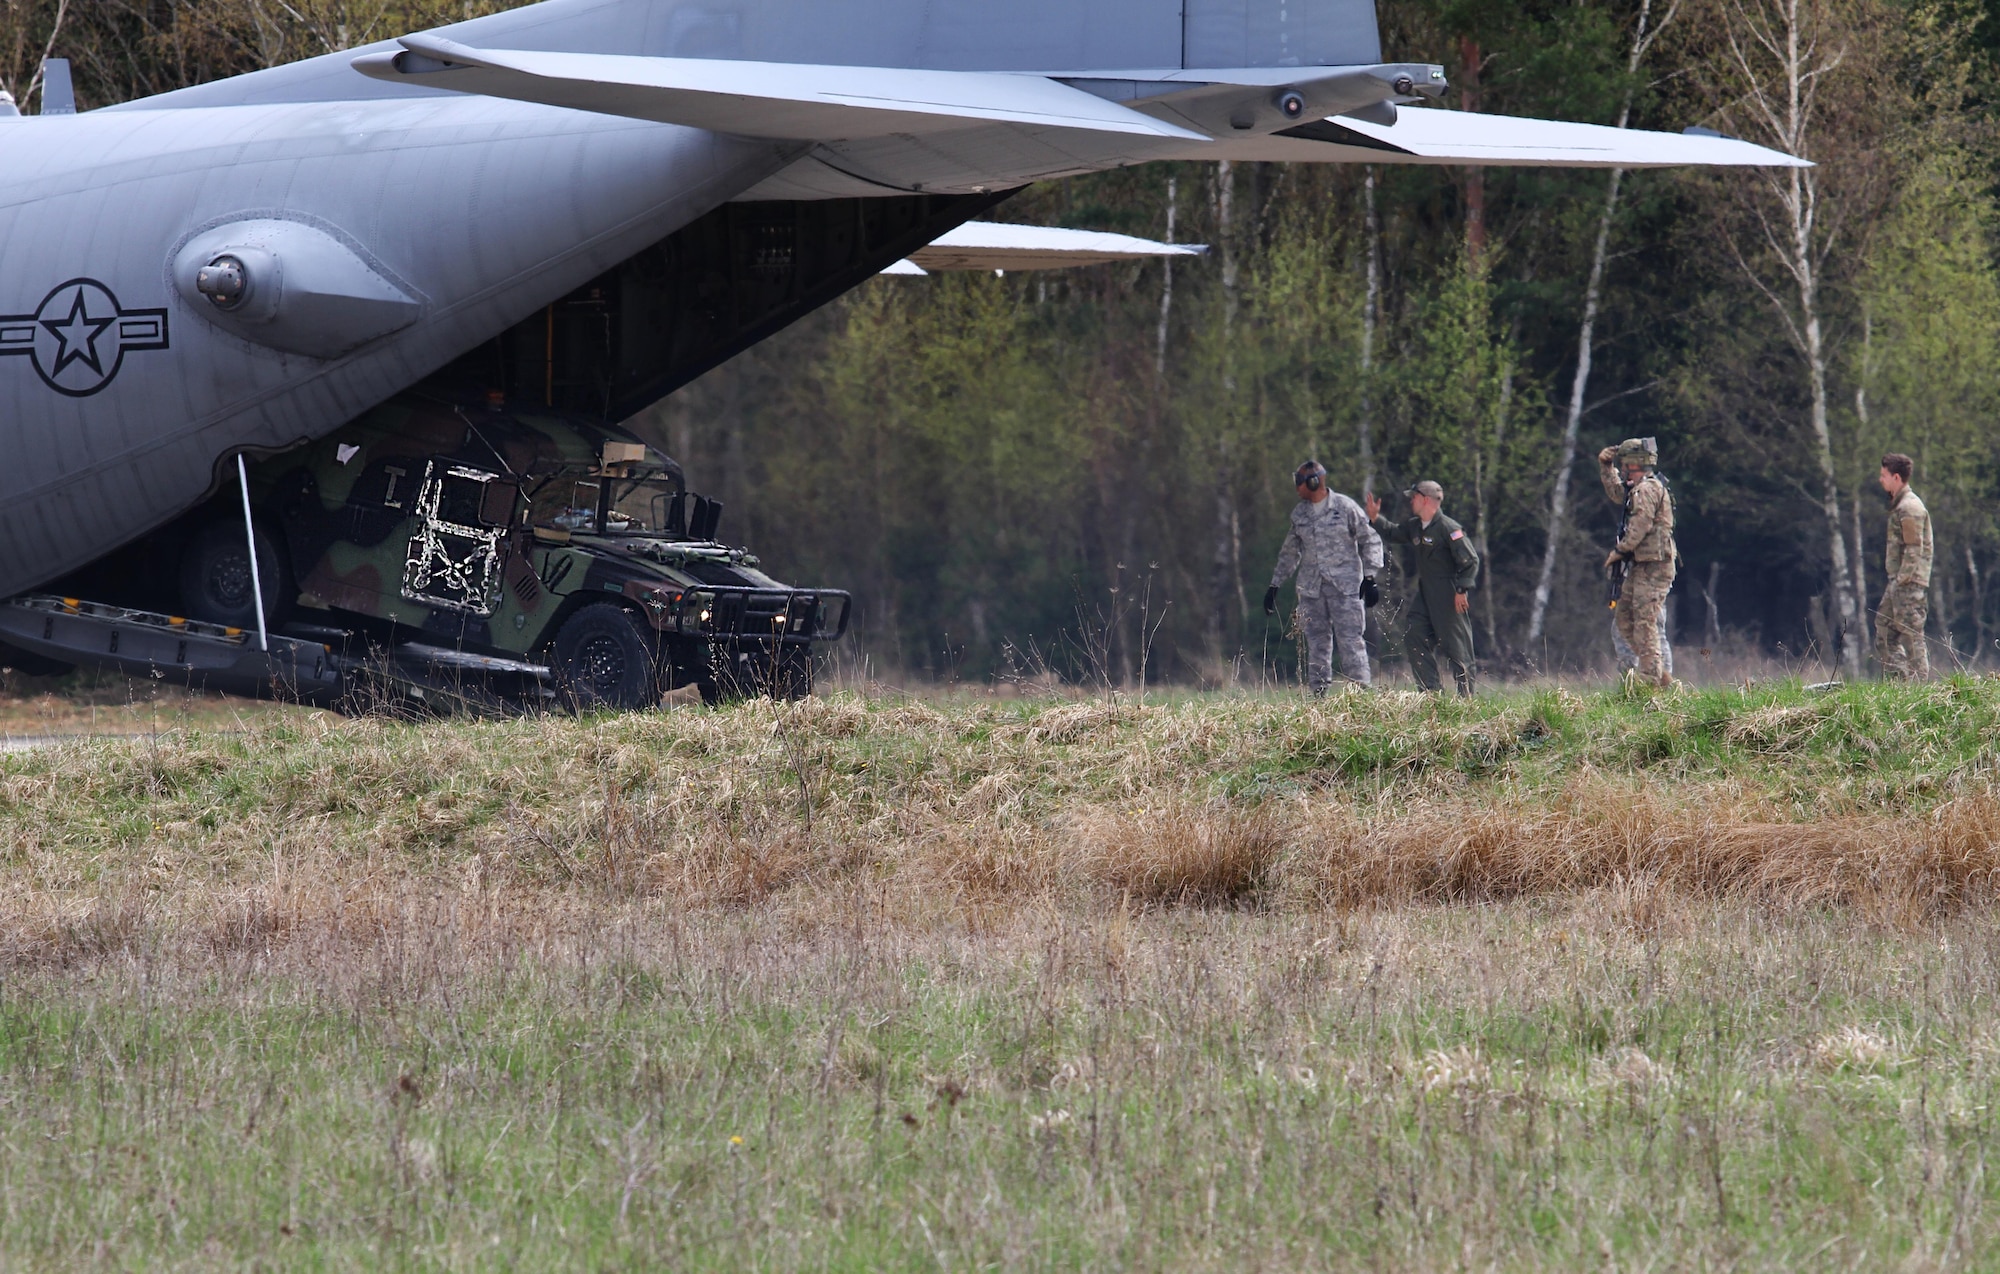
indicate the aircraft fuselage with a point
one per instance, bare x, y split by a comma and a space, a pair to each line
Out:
391, 236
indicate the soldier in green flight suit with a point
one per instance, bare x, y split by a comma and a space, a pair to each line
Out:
1440, 615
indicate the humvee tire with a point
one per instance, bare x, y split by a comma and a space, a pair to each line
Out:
215, 577
605, 658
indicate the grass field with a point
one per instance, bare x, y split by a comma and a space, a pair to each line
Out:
33, 710
1547, 980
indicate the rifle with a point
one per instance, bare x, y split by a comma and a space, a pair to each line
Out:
1614, 576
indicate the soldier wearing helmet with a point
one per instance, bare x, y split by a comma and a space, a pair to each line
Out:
1645, 549
1335, 554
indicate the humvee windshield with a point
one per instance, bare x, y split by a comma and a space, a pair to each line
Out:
646, 504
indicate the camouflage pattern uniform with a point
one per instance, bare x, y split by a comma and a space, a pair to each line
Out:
1648, 547
1331, 546
1629, 658
1899, 624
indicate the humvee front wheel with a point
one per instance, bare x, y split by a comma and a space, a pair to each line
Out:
605, 658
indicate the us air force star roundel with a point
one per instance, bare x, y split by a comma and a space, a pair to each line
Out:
79, 336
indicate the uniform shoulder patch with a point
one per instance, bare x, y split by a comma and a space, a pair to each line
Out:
1912, 533
1457, 534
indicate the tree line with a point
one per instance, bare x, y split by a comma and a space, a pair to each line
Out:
1089, 471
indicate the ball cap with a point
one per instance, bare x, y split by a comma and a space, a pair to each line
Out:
1426, 488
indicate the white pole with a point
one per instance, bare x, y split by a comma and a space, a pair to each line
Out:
250, 536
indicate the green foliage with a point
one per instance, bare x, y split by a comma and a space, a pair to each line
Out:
1931, 343
122, 49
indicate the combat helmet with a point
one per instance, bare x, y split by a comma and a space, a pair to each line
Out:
1644, 452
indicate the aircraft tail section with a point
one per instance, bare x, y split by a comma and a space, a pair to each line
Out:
1048, 36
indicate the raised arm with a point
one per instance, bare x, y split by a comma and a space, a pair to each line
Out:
1367, 544
1392, 532
1607, 473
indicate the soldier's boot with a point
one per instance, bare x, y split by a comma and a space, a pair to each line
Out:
1885, 643
1462, 675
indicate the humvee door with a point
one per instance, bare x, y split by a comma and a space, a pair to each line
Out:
456, 554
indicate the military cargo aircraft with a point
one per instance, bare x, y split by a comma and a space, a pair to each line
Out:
576, 207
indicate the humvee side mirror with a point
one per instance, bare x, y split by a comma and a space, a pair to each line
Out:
707, 516
676, 523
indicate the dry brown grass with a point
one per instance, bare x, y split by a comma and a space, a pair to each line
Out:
1605, 836
956, 808
1312, 853
1185, 855
1647, 860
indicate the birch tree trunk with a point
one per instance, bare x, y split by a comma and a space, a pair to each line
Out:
1774, 52
1860, 573
1643, 35
1223, 586
1370, 311
1849, 611
48, 51
1593, 293
1861, 417
1167, 284
1483, 496
1978, 605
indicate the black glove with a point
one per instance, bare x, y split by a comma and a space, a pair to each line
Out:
1371, 593
1271, 600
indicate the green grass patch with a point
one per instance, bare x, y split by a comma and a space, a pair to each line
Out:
1682, 1103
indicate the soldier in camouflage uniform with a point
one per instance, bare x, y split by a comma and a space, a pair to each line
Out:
1439, 616
1645, 548
1335, 554
1899, 624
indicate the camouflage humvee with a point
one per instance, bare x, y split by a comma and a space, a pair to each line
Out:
519, 534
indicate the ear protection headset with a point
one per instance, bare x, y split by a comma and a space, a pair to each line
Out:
1311, 475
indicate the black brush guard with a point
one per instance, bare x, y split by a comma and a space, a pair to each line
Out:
786, 616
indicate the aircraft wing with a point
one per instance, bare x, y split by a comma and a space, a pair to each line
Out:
764, 99
1434, 136
880, 129
991, 245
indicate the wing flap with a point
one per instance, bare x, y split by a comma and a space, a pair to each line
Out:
1463, 137
991, 245
764, 99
